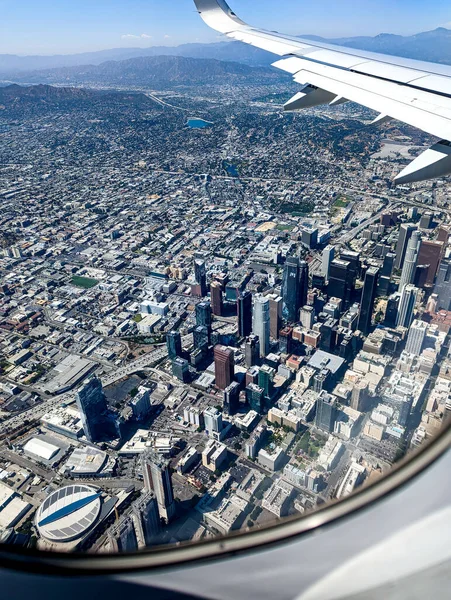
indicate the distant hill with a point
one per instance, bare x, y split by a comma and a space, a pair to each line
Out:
15, 99
227, 51
157, 72
433, 46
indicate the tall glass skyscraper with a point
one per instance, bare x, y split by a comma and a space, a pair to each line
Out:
260, 322
157, 479
367, 300
407, 305
410, 260
174, 344
93, 407
294, 288
200, 275
244, 306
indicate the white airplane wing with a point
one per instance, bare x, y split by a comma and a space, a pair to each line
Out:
415, 92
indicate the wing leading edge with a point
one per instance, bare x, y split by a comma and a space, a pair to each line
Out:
415, 92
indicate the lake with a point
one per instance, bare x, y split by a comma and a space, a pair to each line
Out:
198, 124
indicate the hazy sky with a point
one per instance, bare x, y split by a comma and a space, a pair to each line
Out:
67, 26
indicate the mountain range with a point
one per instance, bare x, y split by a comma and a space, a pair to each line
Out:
433, 46
157, 72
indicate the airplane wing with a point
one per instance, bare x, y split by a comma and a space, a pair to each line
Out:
415, 92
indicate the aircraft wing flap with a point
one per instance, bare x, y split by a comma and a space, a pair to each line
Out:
415, 107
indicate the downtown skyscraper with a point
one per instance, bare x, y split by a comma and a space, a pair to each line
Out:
261, 323
410, 260
294, 288
367, 300
244, 309
157, 478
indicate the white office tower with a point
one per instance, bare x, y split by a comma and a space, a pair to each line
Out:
407, 306
410, 260
213, 420
415, 341
260, 322
327, 257
146, 519
307, 316
157, 479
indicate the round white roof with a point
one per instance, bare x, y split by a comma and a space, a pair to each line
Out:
69, 513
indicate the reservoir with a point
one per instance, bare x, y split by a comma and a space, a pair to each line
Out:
198, 124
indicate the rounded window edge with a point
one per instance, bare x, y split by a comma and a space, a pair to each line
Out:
240, 542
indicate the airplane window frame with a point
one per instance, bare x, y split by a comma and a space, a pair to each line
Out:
239, 542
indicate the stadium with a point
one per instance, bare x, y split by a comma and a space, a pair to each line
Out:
69, 513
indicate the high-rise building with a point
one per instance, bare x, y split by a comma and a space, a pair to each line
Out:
216, 298
260, 322
303, 283
389, 262
326, 412
275, 315
285, 340
174, 344
407, 306
146, 518
200, 337
200, 275
140, 404
252, 351
232, 398
254, 397
224, 366
430, 255
354, 259
307, 316
94, 414
341, 280
180, 369
443, 285
405, 233
391, 312
213, 420
244, 310
203, 314
415, 339
291, 289
122, 536
410, 260
157, 478
328, 256
266, 376
309, 237
367, 300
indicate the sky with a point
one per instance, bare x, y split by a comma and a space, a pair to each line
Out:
70, 26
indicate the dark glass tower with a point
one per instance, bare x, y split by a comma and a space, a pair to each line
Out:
367, 300
405, 233
326, 412
443, 285
200, 275
93, 407
174, 344
203, 314
294, 288
216, 298
341, 280
244, 306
